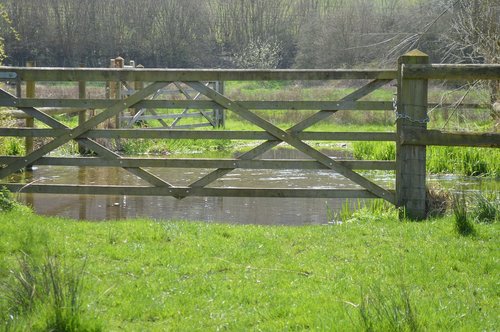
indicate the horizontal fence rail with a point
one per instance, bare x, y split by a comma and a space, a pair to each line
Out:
150, 94
186, 75
451, 72
205, 163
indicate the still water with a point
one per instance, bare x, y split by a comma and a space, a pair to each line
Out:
276, 211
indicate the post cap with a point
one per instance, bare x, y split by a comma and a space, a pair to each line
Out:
416, 52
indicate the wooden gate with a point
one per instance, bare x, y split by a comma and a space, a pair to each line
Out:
411, 110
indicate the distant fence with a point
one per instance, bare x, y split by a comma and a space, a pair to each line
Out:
411, 135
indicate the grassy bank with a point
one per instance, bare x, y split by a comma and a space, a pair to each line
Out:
440, 159
378, 275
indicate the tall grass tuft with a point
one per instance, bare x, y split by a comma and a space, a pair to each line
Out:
486, 209
45, 295
463, 226
392, 312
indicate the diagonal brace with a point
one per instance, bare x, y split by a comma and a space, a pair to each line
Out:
291, 139
74, 133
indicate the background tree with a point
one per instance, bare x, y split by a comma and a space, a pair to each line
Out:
216, 33
474, 37
5, 30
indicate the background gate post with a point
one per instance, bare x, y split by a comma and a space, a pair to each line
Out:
220, 117
82, 115
30, 122
411, 114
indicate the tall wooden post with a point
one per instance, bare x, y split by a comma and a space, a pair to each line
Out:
410, 159
30, 122
82, 94
220, 118
138, 85
119, 63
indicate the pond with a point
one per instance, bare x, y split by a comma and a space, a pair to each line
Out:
263, 211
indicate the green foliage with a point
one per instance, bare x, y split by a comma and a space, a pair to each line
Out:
485, 209
466, 161
13, 146
440, 159
5, 28
3, 18
374, 150
7, 202
463, 226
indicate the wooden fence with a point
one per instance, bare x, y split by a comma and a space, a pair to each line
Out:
411, 135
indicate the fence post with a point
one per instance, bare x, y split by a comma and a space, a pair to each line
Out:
138, 85
119, 63
82, 94
411, 113
220, 118
30, 122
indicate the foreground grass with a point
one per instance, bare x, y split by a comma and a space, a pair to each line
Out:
377, 275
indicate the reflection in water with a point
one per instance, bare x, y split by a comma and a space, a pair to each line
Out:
213, 209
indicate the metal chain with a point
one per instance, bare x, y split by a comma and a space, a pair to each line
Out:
405, 116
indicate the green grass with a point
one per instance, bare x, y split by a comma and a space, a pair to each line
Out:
440, 159
378, 275
466, 161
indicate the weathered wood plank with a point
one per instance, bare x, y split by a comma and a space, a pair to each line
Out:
292, 140
204, 163
436, 137
175, 75
452, 72
198, 134
326, 112
193, 125
165, 116
74, 133
201, 104
69, 106
188, 191
304, 124
99, 149
410, 159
